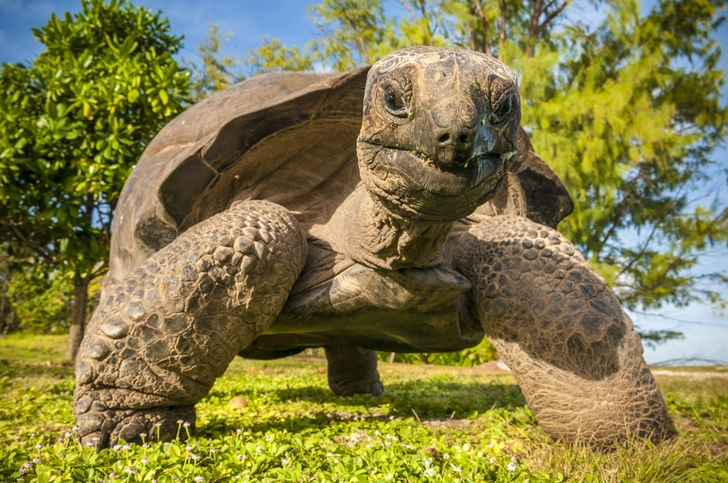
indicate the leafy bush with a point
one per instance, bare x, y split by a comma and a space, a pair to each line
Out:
473, 356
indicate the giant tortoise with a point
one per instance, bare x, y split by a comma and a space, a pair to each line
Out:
398, 207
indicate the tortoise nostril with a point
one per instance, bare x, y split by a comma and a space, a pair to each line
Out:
444, 138
464, 139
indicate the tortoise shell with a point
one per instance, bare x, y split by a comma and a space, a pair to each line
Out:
289, 138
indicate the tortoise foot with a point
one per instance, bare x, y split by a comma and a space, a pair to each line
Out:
105, 428
373, 387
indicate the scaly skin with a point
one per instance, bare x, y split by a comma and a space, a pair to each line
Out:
352, 370
164, 334
560, 329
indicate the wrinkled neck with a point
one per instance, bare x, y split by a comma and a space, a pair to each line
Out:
370, 234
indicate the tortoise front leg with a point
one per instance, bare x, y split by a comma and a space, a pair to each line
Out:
156, 345
560, 329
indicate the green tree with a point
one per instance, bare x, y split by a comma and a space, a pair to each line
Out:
72, 124
214, 71
627, 111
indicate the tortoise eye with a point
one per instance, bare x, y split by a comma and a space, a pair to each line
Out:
395, 102
503, 110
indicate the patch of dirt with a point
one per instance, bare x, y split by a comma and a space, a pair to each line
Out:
696, 376
446, 423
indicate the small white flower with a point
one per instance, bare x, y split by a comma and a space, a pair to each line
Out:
116, 447
269, 438
387, 443
511, 467
329, 454
145, 460
189, 448
213, 450
18, 438
259, 449
446, 456
112, 475
126, 446
145, 445
38, 446
36, 460
199, 479
490, 445
179, 421
76, 428
238, 430
336, 460
492, 461
187, 425
90, 444
514, 459
377, 433
284, 462
240, 457
196, 457
95, 439
143, 435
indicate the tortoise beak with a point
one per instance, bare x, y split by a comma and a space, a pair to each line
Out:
470, 145
460, 133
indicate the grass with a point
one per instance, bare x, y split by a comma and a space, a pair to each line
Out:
277, 421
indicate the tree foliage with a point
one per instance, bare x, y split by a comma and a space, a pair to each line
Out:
214, 71
627, 111
72, 124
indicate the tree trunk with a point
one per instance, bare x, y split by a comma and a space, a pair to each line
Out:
78, 317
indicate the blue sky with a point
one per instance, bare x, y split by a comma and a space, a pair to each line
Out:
706, 333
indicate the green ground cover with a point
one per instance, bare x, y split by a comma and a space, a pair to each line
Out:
277, 421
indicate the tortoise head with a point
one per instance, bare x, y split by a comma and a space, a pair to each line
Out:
439, 127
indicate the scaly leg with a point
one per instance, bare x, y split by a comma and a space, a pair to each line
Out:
352, 370
157, 343
573, 350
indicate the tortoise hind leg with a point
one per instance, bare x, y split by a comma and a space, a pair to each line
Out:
156, 345
352, 370
572, 349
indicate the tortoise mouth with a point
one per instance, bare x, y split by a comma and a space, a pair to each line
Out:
413, 185
420, 171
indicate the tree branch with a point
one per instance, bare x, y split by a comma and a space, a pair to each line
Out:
502, 32
478, 9
532, 29
409, 9
38, 249
550, 17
